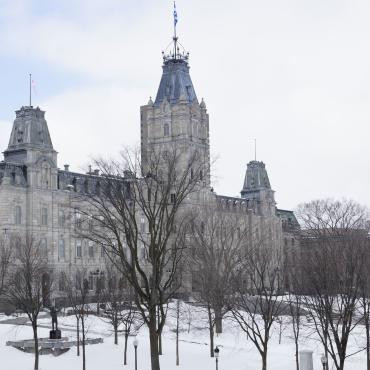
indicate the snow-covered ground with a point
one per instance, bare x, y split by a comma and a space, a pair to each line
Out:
236, 352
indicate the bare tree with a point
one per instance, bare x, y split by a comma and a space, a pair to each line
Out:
217, 239
29, 282
140, 217
364, 307
257, 305
78, 296
113, 295
293, 266
334, 248
131, 319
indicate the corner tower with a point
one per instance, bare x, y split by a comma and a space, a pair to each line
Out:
257, 188
176, 119
30, 146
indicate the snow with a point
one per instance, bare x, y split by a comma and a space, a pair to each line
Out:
236, 352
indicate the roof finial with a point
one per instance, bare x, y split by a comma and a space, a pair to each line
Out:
177, 51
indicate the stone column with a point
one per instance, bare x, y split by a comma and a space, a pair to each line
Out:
305, 360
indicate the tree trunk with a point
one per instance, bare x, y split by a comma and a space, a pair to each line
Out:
78, 336
115, 333
264, 361
159, 334
296, 354
218, 320
83, 344
125, 350
177, 332
367, 328
211, 332
36, 340
153, 337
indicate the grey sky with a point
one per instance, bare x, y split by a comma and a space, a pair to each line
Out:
292, 74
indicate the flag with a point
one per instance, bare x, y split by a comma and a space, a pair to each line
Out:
33, 86
174, 13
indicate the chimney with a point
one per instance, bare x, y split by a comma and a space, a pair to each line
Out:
66, 167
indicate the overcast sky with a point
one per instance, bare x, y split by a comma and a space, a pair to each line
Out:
294, 74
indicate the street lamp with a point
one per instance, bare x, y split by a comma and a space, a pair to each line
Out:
136, 343
324, 362
217, 354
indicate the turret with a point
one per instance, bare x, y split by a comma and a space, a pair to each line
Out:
257, 188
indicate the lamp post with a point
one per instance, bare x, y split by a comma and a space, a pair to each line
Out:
324, 362
136, 343
217, 354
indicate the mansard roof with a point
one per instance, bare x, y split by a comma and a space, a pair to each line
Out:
256, 178
175, 83
30, 130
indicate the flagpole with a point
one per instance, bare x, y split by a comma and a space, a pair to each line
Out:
174, 27
30, 90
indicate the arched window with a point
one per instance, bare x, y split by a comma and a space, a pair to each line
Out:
166, 129
18, 215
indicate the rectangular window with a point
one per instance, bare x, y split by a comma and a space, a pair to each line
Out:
142, 225
78, 248
44, 216
61, 249
101, 252
18, 215
44, 247
61, 218
91, 249
173, 198
91, 282
78, 220
62, 282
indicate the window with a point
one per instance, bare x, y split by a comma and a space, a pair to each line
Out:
91, 249
101, 252
61, 249
78, 248
44, 216
44, 247
86, 186
18, 215
61, 218
91, 282
149, 195
166, 129
173, 198
78, 220
201, 175
62, 282
142, 225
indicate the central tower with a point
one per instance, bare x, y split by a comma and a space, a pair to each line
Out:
176, 119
